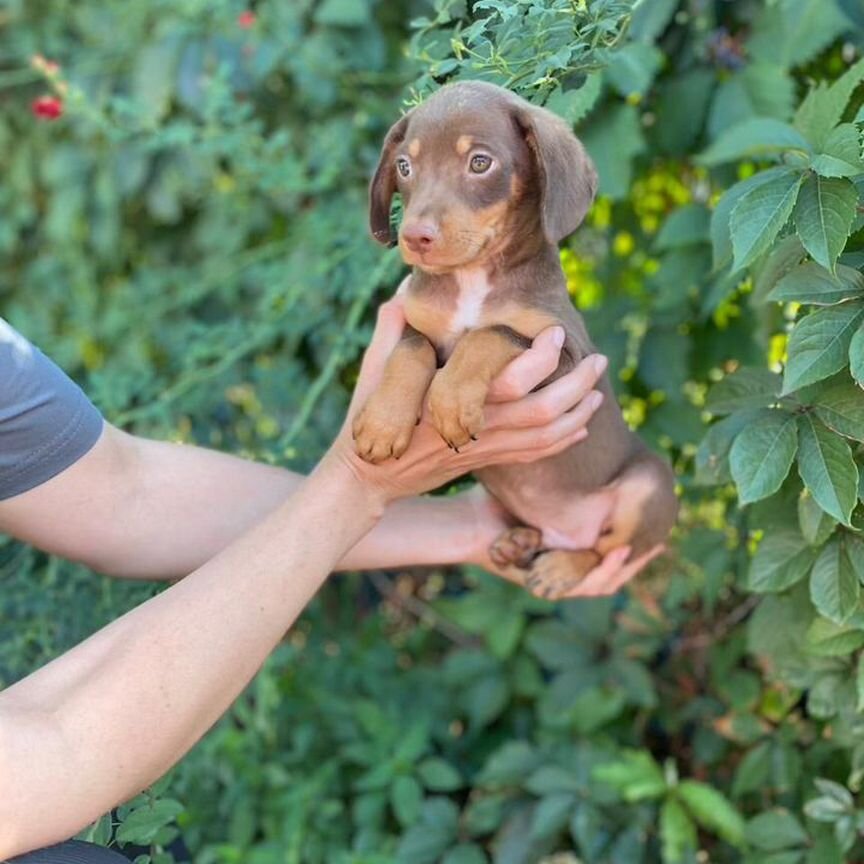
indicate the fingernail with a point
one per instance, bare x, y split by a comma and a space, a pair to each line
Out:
558, 336
600, 363
595, 399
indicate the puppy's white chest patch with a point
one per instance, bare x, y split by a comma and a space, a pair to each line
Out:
474, 287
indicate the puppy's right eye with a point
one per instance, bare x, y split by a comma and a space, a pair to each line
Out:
403, 166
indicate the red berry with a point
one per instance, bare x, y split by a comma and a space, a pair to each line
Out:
246, 19
47, 107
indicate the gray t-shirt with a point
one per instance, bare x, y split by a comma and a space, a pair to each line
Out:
46, 421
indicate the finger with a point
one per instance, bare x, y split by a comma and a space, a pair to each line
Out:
618, 576
524, 445
552, 401
532, 366
604, 577
388, 331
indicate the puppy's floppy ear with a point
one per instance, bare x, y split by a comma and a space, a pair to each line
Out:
568, 179
383, 184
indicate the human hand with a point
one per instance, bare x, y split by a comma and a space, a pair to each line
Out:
521, 426
491, 520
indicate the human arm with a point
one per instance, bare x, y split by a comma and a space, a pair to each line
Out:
107, 718
134, 507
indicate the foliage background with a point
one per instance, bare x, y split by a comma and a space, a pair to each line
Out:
189, 241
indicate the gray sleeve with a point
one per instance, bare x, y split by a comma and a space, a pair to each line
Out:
46, 421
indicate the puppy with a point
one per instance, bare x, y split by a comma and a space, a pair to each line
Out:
490, 184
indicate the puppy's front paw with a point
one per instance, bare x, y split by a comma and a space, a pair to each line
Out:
382, 430
557, 572
456, 410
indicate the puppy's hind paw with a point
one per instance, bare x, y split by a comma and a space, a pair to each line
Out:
518, 546
556, 573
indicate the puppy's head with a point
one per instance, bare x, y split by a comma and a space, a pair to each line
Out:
479, 169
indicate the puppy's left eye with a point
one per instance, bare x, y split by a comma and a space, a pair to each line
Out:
480, 163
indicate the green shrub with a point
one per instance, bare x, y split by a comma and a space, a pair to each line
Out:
189, 240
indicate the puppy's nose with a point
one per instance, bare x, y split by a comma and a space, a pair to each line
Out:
419, 236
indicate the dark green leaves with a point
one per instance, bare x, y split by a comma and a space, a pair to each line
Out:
782, 559
747, 387
762, 455
823, 216
840, 406
834, 585
760, 214
819, 344
811, 283
827, 468
756, 137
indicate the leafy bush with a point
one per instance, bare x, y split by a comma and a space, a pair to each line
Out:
189, 240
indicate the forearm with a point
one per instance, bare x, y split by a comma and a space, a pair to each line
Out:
159, 510
101, 722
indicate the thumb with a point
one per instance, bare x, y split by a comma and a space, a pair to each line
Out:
388, 331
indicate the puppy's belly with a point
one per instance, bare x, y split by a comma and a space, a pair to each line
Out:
568, 520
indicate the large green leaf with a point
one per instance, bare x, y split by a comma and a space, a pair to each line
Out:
827, 639
677, 831
841, 153
760, 214
823, 107
823, 216
747, 387
840, 406
712, 810
812, 283
782, 559
775, 830
834, 585
721, 237
827, 468
819, 344
758, 137
816, 525
612, 138
856, 355
762, 455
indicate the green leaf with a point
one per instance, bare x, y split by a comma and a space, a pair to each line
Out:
819, 344
834, 586
775, 830
823, 217
856, 356
613, 137
712, 810
465, 853
827, 639
636, 776
721, 238
755, 137
686, 226
859, 682
574, 105
633, 67
762, 455
712, 455
827, 468
746, 387
760, 214
438, 775
406, 796
816, 524
154, 76
811, 283
841, 155
677, 831
343, 13
426, 841
823, 107
552, 814
782, 559
840, 406
144, 823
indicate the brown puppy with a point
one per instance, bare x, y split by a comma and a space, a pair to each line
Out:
490, 184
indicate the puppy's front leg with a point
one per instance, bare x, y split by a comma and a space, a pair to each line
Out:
458, 391
383, 427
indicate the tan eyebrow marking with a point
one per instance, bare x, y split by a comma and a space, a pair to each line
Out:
463, 144
414, 148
